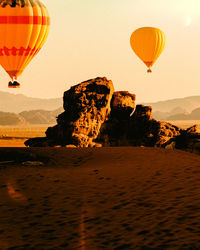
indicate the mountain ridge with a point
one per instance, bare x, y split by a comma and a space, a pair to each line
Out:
162, 110
29, 117
188, 103
22, 103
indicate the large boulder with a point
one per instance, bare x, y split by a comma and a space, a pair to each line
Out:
86, 106
122, 104
114, 131
136, 130
164, 132
188, 139
143, 113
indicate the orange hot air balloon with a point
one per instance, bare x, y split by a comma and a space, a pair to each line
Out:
148, 43
24, 28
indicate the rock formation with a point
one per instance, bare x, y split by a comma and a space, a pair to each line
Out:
136, 130
189, 140
122, 104
97, 116
86, 106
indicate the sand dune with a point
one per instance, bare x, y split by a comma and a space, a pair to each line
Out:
108, 198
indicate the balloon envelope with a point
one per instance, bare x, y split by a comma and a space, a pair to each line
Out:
148, 43
24, 27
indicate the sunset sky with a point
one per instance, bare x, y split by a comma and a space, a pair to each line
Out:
91, 38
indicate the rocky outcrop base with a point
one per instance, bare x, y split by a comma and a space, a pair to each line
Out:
96, 116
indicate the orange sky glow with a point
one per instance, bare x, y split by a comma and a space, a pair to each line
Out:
90, 38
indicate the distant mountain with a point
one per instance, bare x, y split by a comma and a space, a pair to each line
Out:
158, 115
30, 117
40, 116
18, 103
194, 115
7, 118
40, 109
187, 103
171, 108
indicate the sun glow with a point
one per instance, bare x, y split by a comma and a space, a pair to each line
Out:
188, 9
188, 21
188, 6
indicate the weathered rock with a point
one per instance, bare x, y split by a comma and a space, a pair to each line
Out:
143, 112
97, 116
59, 134
122, 104
38, 142
114, 131
141, 127
187, 140
193, 129
138, 130
164, 132
86, 105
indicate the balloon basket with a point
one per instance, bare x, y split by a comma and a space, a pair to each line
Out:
149, 71
13, 85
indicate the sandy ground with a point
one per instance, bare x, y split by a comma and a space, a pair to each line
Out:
13, 136
185, 123
12, 142
107, 198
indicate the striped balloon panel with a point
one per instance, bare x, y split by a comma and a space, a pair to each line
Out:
23, 32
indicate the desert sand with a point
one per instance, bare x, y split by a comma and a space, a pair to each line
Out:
184, 124
106, 198
15, 136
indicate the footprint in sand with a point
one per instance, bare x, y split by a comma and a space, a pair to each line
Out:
14, 193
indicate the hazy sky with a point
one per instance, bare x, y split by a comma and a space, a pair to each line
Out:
90, 38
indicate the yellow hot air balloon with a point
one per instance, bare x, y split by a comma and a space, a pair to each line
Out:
24, 27
148, 43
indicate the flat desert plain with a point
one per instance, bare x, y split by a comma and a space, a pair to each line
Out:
13, 136
185, 123
105, 198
